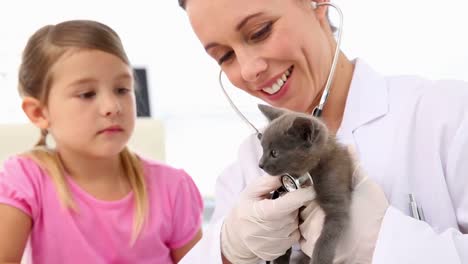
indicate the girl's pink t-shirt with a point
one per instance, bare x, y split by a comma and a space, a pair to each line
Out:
100, 232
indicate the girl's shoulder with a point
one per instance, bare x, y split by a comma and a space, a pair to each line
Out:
24, 174
163, 174
22, 166
22, 184
173, 185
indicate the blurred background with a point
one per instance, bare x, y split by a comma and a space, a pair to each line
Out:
201, 132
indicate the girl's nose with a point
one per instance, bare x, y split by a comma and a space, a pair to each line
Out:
111, 107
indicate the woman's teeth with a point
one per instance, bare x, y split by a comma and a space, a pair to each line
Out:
278, 84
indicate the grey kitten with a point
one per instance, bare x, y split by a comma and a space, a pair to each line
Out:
297, 143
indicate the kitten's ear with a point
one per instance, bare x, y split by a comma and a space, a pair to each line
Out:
270, 112
303, 129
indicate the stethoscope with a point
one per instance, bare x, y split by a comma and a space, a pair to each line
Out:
293, 182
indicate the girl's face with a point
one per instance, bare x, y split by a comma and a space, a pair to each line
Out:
277, 50
91, 106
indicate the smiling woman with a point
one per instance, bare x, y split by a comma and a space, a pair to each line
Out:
281, 52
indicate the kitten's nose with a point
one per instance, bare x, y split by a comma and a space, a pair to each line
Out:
260, 165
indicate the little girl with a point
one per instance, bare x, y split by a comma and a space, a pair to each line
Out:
89, 199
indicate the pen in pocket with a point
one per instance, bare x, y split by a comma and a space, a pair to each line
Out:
416, 211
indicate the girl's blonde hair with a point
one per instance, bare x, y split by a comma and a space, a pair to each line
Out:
44, 48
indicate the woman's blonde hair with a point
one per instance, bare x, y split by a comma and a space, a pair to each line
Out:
44, 48
183, 3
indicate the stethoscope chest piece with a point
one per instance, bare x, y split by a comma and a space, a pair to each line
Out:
291, 183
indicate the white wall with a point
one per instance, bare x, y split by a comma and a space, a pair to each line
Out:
394, 37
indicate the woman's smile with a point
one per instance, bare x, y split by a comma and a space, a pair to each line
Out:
279, 87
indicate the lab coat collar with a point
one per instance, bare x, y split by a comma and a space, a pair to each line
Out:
367, 99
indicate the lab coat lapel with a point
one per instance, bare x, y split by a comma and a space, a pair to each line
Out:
367, 103
367, 99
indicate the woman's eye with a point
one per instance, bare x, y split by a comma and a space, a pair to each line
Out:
262, 33
226, 57
87, 95
274, 153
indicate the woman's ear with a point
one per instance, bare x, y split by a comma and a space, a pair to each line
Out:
36, 112
320, 10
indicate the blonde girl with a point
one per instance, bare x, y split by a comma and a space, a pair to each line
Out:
89, 199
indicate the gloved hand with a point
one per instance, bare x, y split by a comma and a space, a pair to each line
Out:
260, 228
357, 243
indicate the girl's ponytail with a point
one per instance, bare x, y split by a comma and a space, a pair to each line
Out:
133, 168
43, 139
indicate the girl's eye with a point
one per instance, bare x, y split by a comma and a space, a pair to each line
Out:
274, 153
87, 95
262, 33
122, 90
226, 57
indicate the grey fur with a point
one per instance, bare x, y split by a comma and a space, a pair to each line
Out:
302, 143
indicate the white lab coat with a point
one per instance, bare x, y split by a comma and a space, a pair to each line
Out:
411, 136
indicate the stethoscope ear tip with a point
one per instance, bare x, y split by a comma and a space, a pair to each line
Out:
313, 4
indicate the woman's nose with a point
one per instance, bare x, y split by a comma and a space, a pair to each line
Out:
252, 68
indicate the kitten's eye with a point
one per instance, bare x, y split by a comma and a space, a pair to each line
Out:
274, 153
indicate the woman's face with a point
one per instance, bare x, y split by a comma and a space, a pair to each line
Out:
277, 50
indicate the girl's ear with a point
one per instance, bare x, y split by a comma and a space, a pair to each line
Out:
36, 112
